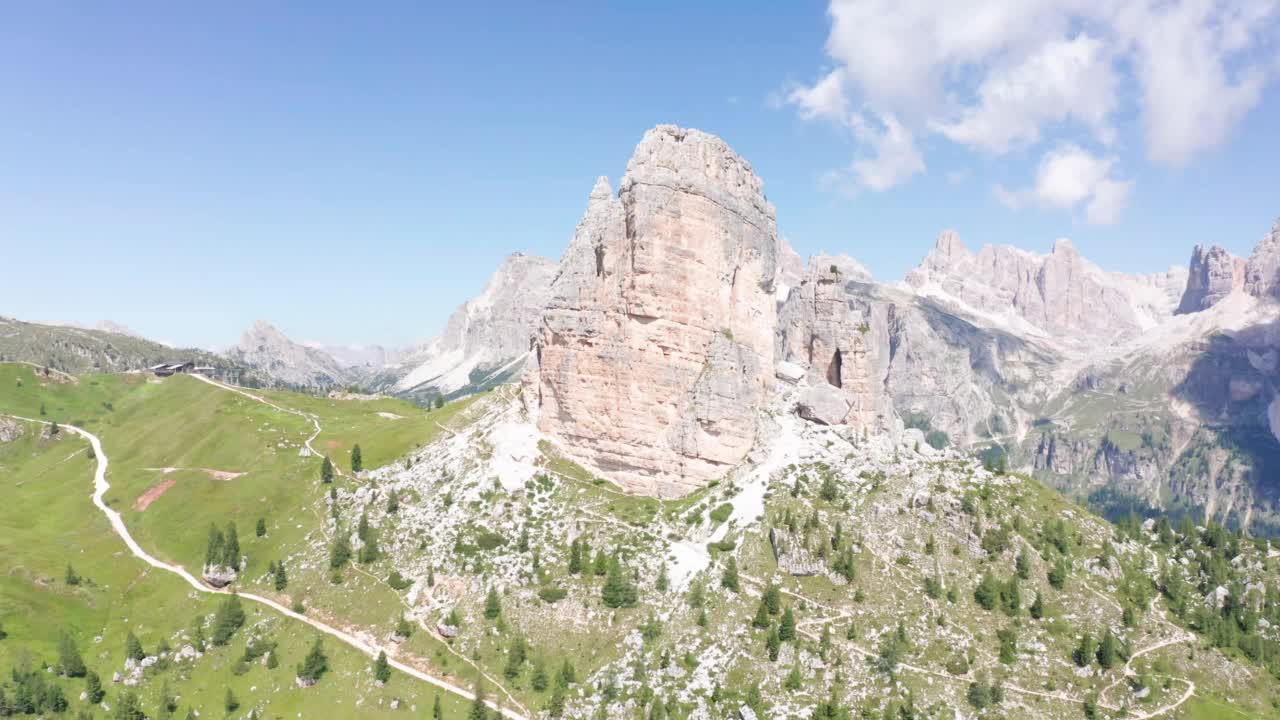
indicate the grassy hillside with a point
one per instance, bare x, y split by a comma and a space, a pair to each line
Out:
166, 435
50, 523
77, 351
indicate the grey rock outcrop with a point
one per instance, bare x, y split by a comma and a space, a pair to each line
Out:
655, 352
1214, 274
10, 430
1262, 273
266, 349
487, 338
823, 404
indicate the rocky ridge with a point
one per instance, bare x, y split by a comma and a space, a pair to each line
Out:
266, 349
485, 340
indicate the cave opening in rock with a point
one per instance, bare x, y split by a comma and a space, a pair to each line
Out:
599, 260
833, 370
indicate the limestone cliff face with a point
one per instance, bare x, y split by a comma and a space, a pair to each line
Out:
1262, 274
1214, 273
655, 352
1060, 294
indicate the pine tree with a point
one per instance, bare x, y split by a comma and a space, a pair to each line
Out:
1037, 607
128, 707
71, 577
437, 711
216, 548
730, 577
261, 528
439, 403
281, 577
600, 566
53, 428
787, 626
403, 628
93, 688
69, 658
382, 668
357, 460
492, 605
575, 557
772, 599
987, 593
1108, 650
340, 553
762, 619
369, 551
618, 591
829, 490
773, 644
1084, 652
133, 647
393, 503
231, 553
1022, 566
315, 664
522, 545
663, 581
227, 620
326, 471
230, 702
539, 680
478, 709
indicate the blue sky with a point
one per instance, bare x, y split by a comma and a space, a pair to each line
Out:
354, 175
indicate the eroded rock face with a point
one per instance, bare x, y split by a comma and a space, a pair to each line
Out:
1214, 274
10, 430
1262, 273
655, 352
1060, 294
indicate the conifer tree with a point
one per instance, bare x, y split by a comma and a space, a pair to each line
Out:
357, 459
1108, 650
600, 566
216, 548
382, 668
231, 553
340, 553
663, 582
326, 471
403, 628
575, 557
230, 702
478, 709
1084, 652
393, 503
787, 626
437, 711
773, 644
1037, 607
261, 528
227, 620
71, 577
729, 579
93, 688
282, 577
618, 591
315, 664
69, 658
772, 599
133, 647
522, 545
987, 593
1022, 566
492, 605
762, 619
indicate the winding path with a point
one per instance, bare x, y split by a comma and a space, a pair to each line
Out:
100, 488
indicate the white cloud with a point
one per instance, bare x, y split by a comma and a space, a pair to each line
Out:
826, 99
1065, 78
998, 76
895, 158
1069, 177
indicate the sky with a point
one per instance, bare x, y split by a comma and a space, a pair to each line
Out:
353, 172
